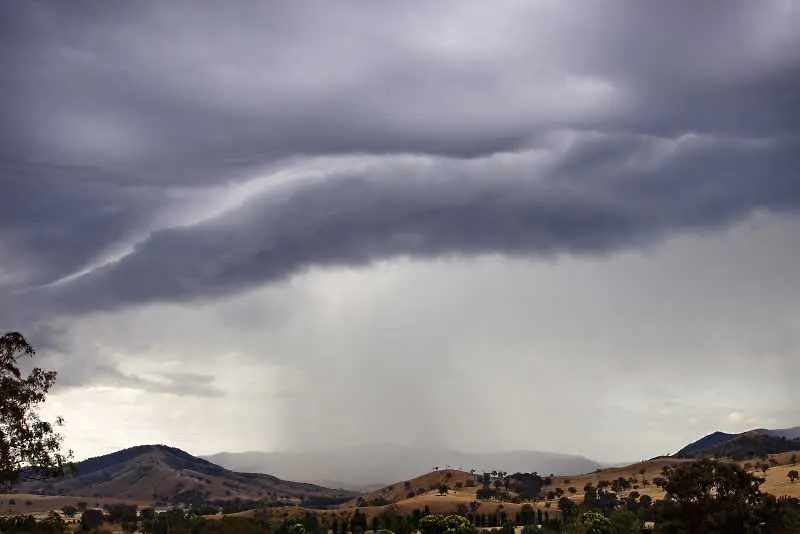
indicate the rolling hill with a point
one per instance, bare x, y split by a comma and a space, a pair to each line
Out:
456, 480
750, 444
422, 491
157, 473
462, 497
711, 440
370, 467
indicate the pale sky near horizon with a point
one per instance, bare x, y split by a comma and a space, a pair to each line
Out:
486, 226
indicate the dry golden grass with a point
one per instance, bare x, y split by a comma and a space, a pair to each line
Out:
31, 504
776, 483
428, 482
651, 468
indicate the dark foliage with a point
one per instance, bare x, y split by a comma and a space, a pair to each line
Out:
527, 485
26, 441
711, 497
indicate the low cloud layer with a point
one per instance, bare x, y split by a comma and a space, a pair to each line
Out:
171, 155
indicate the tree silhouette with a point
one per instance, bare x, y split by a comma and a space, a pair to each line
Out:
710, 496
25, 440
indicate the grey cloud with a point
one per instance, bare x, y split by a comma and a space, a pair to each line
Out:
176, 94
82, 361
600, 195
107, 375
181, 92
492, 354
54, 224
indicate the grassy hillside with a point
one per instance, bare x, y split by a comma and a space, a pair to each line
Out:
744, 446
703, 443
156, 473
462, 499
456, 480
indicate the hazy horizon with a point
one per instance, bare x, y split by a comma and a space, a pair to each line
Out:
518, 225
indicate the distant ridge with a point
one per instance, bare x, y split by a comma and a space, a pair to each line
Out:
788, 433
715, 438
159, 473
172, 456
373, 466
750, 444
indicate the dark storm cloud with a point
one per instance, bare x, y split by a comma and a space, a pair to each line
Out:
451, 210
54, 221
113, 109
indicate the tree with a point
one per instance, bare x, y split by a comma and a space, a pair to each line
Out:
567, 508
595, 523
793, 476
451, 524
53, 524
708, 496
91, 519
527, 515
121, 513
623, 521
25, 440
69, 511
443, 489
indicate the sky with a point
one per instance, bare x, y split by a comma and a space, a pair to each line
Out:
283, 225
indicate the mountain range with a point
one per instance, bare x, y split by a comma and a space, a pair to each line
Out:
162, 474
158, 473
367, 467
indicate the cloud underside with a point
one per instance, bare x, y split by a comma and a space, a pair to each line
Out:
579, 193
